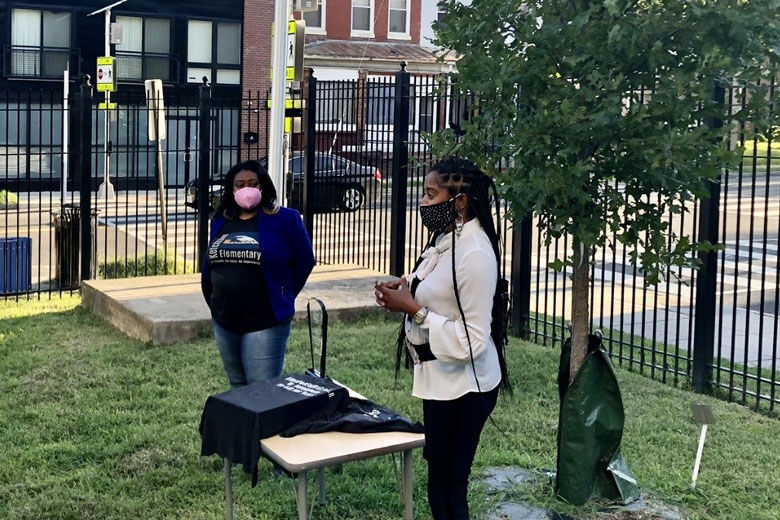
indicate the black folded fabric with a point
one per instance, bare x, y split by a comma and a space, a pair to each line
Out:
234, 422
357, 416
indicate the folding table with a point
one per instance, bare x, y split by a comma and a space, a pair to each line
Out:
309, 451
302, 453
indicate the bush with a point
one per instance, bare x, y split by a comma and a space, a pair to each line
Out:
8, 199
153, 264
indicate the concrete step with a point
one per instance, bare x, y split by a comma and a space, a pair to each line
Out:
169, 309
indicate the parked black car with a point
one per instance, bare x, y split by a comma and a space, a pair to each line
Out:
338, 184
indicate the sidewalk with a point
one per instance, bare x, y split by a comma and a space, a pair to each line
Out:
168, 309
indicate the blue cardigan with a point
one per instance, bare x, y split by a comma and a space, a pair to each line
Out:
286, 254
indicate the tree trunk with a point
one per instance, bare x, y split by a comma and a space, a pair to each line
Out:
580, 314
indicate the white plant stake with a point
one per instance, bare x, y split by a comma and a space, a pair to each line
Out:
702, 414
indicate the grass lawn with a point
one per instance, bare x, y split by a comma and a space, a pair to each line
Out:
95, 425
763, 152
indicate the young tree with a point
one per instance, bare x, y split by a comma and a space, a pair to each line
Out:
598, 107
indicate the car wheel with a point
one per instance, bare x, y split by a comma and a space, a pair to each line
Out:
352, 198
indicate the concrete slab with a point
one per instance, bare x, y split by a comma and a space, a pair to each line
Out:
169, 309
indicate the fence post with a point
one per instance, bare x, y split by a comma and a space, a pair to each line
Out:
706, 278
400, 172
521, 278
85, 176
204, 168
311, 145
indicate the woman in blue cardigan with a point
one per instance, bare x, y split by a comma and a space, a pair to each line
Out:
258, 260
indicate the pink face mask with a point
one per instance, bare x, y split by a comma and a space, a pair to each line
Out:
248, 197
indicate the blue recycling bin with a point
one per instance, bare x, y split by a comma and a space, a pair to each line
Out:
16, 262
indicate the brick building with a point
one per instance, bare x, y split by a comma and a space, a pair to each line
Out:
345, 38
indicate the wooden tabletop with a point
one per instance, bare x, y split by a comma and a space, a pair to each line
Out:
317, 450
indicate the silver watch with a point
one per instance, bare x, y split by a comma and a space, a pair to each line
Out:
420, 315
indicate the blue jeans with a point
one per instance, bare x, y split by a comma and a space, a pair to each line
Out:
254, 356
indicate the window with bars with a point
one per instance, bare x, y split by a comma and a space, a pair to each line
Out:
214, 51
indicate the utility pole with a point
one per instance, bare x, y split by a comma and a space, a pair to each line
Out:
282, 13
106, 189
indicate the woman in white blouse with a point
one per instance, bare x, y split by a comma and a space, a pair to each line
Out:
454, 331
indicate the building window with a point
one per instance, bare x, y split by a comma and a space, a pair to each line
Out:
398, 19
145, 49
214, 51
31, 137
363, 18
40, 43
381, 104
335, 102
441, 15
426, 113
315, 20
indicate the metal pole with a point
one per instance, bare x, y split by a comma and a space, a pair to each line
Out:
300, 497
400, 172
706, 278
521, 278
407, 489
65, 132
321, 482
204, 169
228, 489
281, 193
85, 171
278, 84
308, 179
160, 173
106, 189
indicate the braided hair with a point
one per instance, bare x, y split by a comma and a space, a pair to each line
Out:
461, 176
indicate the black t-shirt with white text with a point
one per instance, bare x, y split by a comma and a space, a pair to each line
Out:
239, 298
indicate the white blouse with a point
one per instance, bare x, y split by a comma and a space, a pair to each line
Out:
451, 374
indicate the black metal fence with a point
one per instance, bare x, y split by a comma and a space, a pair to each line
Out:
357, 153
714, 329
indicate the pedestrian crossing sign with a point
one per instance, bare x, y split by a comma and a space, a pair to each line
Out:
293, 47
105, 80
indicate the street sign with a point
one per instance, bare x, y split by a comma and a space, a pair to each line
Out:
290, 103
156, 107
294, 49
106, 74
104, 106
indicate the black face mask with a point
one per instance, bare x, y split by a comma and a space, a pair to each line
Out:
438, 217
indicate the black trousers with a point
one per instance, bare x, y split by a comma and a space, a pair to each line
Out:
452, 430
